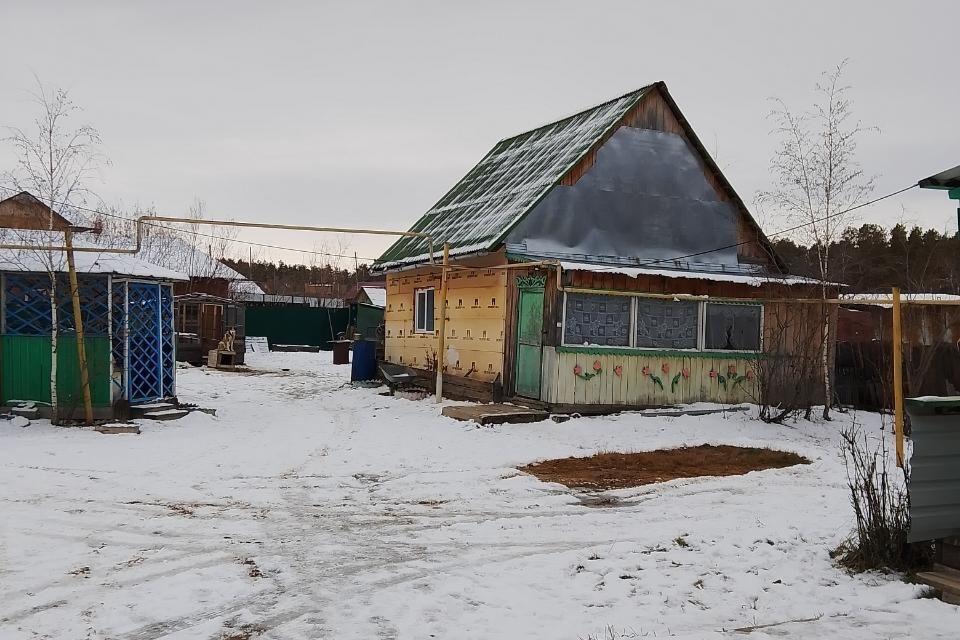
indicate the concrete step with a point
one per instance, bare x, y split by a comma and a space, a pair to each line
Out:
30, 413
152, 406
165, 414
117, 428
486, 414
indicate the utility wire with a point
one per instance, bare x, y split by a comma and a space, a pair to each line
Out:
787, 230
196, 233
645, 263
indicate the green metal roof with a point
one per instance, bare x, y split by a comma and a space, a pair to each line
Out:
507, 183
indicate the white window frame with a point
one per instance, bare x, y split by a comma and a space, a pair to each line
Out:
634, 310
417, 328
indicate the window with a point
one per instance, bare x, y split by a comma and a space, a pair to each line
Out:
597, 319
667, 324
731, 327
423, 311
653, 323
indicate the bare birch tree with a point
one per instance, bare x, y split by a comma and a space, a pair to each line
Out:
193, 249
817, 179
56, 161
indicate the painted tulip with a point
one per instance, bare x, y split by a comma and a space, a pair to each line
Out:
713, 374
685, 372
665, 367
596, 365
749, 374
618, 370
646, 371
577, 370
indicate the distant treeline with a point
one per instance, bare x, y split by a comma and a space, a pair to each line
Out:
872, 259
298, 279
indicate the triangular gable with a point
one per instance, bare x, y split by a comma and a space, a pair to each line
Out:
25, 211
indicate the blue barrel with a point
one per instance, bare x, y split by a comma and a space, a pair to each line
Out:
364, 360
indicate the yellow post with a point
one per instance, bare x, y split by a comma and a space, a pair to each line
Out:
78, 326
898, 375
441, 347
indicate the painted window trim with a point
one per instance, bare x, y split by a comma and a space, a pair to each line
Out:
633, 349
416, 303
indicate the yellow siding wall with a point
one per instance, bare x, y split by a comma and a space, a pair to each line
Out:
476, 305
734, 379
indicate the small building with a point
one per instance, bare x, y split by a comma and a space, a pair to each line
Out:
202, 321
127, 306
931, 348
570, 246
127, 309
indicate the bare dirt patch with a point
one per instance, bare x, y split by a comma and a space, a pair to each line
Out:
622, 470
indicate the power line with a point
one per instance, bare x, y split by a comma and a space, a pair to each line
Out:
198, 233
787, 230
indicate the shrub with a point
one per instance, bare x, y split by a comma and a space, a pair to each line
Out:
881, 504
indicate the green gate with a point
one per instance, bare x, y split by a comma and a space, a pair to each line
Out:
529, 338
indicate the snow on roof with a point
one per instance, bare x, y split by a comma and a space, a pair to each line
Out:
754, 280
377, 295
509, 181
246, 287
869, 299
86, 262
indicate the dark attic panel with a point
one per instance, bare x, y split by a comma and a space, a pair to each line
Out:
646, 197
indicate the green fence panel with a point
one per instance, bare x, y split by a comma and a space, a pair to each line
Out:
68, 371
295, 324
25, 369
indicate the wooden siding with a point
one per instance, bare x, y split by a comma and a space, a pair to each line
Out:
716, 377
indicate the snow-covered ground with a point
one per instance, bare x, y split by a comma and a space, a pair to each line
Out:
311, 509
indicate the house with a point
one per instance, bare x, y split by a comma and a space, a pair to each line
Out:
598, 262
127, 306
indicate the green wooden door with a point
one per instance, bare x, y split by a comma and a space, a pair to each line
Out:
529, 342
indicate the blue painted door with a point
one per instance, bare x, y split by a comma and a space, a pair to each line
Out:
150, 350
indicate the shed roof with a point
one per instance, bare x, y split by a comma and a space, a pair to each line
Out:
377, 295
509, 181
26, 260
949, 179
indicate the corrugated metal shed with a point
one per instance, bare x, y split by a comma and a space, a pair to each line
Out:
512, 178
934, 468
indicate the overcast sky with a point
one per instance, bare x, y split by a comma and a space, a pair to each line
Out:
364, 114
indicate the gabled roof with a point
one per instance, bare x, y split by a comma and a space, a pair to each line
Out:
518, 173
26, 211
508, 182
